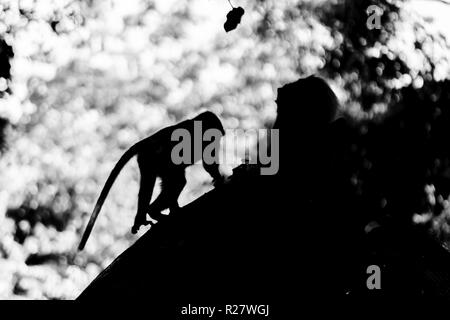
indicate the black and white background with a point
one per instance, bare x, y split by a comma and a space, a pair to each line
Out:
81, 81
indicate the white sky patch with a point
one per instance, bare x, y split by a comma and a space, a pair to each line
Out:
439, 13
436, 10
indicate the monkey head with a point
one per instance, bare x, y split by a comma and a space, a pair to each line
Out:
210, 121
308, 102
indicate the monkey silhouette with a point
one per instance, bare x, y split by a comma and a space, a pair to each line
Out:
154, 157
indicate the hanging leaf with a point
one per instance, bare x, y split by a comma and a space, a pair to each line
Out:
233, 18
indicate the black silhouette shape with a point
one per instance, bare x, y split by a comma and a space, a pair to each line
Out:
233, 18
249, 237
6, 54
4, 123
154, 158
303, 229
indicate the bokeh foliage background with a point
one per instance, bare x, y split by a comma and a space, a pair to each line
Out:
80, 81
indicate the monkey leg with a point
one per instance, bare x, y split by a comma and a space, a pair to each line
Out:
147, 184
171, 187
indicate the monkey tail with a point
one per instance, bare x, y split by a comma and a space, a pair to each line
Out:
109, 182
